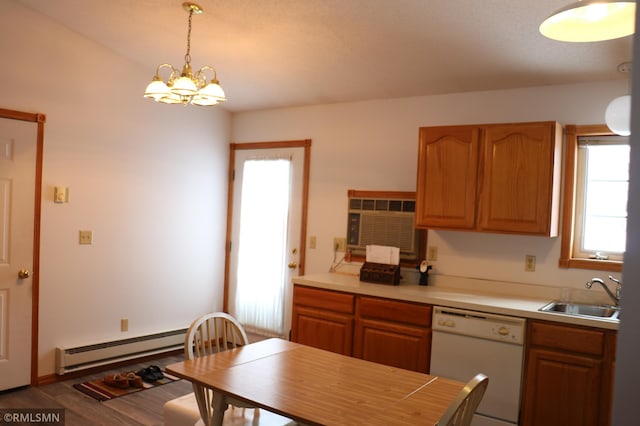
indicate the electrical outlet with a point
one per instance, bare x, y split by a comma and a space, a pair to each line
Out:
340, 244
85, 237
432, 253
124, 324
312, 242
529, 263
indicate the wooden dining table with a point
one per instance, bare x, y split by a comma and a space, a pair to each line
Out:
317, 387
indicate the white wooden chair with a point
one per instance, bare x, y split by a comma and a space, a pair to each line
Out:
211, 333
461, 410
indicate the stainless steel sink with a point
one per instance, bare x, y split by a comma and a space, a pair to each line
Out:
582, 310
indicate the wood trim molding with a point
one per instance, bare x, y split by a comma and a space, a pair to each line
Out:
227, 248
382, 194
305, 206
37, 210
40, 120
572, 133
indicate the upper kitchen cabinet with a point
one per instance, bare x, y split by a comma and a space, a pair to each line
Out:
502, 178
447, 177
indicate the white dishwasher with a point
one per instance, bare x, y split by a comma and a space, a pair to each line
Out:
468, 342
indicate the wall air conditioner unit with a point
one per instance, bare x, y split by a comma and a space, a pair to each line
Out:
385, 219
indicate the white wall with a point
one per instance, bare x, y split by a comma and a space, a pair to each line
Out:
149, 180
373, 146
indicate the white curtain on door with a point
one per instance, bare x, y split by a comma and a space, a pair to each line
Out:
262, 274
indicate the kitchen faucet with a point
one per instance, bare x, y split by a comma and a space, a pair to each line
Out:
614, 297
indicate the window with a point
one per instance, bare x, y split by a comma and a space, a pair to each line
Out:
595, 199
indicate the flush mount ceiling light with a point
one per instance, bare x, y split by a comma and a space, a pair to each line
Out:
183, 87
618, 112
618, 115
591, 20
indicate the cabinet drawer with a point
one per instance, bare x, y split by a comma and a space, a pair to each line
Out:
324, 299
569, 338
396, 311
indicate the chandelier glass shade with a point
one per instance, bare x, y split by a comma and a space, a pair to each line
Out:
185, 86
591, 20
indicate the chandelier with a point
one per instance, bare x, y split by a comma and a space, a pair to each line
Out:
183, 87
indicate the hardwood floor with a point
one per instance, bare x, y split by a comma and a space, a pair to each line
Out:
140, 408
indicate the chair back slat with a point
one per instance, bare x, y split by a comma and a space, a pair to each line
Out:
462, 409
213, 332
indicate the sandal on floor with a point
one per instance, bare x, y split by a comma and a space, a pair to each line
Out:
156, 372
117, 380
135, 381
151, 374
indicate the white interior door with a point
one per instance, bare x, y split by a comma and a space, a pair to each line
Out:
265, 237
18, 150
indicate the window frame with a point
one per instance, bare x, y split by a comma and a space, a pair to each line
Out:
572, 133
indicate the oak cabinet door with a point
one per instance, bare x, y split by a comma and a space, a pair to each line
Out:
562, 389
447, 177
520, 184
393, 344
323, 330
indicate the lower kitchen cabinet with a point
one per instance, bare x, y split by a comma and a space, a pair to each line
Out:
569, 375
393, 333
323, 319
381, 330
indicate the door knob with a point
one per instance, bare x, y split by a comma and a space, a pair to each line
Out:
292, 265
23, 273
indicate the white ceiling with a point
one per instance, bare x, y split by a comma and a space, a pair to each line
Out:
278, 53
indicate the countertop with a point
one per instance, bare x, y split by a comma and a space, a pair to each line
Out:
514, 299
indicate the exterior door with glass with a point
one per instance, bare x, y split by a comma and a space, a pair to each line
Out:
266, 233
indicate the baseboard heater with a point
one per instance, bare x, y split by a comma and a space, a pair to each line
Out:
83, 357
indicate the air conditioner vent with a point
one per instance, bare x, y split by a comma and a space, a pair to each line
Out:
385, 222
395, 205
384, 230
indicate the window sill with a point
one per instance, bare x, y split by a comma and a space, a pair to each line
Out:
599, 265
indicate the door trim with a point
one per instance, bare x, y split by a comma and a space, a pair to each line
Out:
39, 119
233, 147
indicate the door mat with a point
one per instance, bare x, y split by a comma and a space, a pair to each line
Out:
99, 390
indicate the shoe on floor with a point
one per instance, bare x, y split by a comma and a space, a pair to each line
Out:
117, 380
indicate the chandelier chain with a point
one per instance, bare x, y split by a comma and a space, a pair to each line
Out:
187, 56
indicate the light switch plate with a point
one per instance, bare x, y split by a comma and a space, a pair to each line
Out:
60, 194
